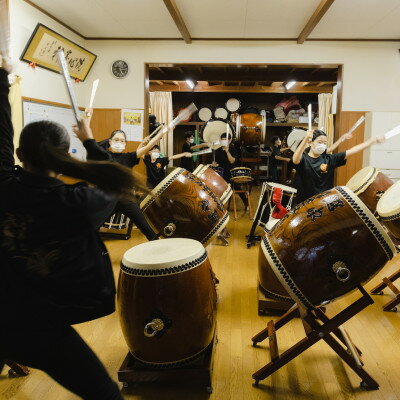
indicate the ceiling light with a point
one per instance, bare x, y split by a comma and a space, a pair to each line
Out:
190, 83
290, 84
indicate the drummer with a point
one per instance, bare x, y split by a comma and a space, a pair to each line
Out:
188, 147
315, 169
275, 157
156, 164
226, 158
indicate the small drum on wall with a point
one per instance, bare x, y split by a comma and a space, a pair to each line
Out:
212, 130
269, 283
388, 209
232, 104
369, 184
295, 137
241, 175
183, 206
251, 129
326, 246
221, 113
205, 114
214, 181
167, 301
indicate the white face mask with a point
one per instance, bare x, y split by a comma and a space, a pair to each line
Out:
224, 142
118, 146
279, 143
191, 140
319, 148
155, 155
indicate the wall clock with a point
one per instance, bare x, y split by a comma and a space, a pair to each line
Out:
119, 69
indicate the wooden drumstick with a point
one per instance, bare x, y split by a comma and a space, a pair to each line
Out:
309, 117
93, 94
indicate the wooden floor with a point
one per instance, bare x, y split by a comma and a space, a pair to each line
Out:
316, 374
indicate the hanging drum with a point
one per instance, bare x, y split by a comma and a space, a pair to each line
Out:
167, 301
232, 104
252, 129
183, 206
214, 181
212, 130
369, 184
326, 246
388, 209
221, 113
204, 114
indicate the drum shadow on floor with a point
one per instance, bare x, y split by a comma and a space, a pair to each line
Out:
165, 391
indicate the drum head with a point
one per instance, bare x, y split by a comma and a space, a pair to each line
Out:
221, 113
232, 104
359, 182
212, 130
162, 254
204, 114
288, 189
389, 204
198, 169
295, 138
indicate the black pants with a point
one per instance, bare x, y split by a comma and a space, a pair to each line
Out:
133, 212
274, 174
62, 354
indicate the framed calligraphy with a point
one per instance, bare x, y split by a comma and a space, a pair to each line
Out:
42, 50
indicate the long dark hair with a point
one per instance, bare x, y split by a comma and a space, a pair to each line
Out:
44, 147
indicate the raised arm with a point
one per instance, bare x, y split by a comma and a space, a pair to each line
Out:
335, 145
298, 154
365, 145
176, 156
144, 147
199, 146
6, 127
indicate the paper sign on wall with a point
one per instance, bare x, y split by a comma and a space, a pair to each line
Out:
132, 124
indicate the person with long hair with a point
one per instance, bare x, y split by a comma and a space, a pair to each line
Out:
315, 167
54, 269
113, 150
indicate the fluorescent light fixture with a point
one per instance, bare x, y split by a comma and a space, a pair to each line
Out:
190, 83
290, 84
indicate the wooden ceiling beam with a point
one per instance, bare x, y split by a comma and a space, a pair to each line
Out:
322, 8
179, 22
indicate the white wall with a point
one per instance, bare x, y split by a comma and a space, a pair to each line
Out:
40, 83
371, 80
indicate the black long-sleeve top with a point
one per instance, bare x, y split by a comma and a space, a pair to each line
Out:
54, 269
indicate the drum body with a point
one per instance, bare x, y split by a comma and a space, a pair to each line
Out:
251, 129
269, 283
326, 246
214, 181
204, 114
167, 301
388, 209
369, 184
212, 130
241, 175
183, 206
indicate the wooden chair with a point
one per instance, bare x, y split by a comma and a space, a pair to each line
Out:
241, 187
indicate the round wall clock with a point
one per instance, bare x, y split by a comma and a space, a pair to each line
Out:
120, 69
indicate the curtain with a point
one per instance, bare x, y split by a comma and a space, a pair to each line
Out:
161, 107
15, 99
324, 110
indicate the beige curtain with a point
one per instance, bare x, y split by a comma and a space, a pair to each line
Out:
161, 107
15, 99
324, 110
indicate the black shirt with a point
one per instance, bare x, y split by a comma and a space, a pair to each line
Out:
155, 170
221, 158
315, 175
276, 151
127, 159
187, 162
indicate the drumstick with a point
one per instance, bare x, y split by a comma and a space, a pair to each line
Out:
199, 153
393, 132
64, 72
183, 115
154, 133
356, 125
309, 117
94, 90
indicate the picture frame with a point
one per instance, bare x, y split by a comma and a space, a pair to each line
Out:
42, 48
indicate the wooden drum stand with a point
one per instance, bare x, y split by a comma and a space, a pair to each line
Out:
388, 282
317, 326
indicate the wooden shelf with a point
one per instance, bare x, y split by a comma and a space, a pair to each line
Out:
192, 123
305, 125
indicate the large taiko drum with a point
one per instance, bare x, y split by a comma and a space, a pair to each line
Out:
251, 129
326, 246
167, 301
182, 205
269, 283
214, 181
388, 209
369, 184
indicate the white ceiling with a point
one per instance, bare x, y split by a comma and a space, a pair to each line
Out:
369, 19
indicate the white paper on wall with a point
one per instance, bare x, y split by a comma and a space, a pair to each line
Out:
132, 124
